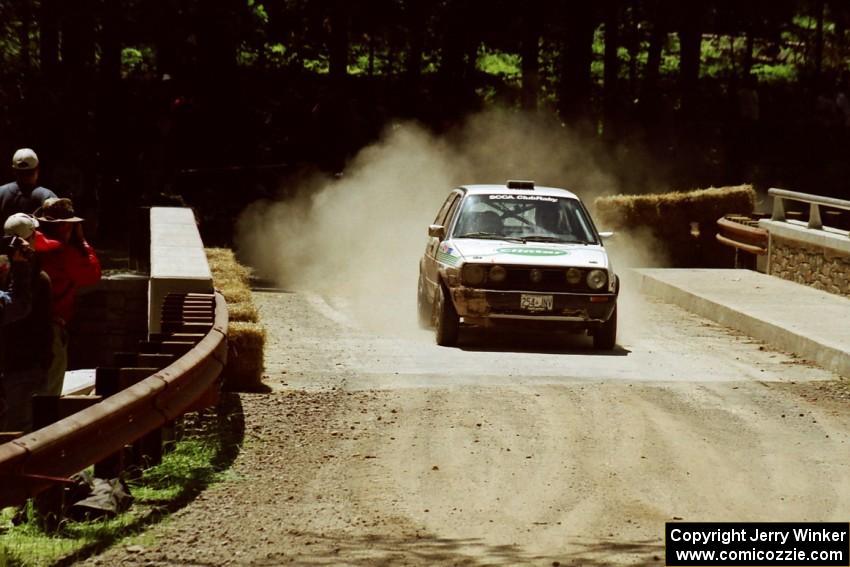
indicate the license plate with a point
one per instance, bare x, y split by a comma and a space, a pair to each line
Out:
536, 302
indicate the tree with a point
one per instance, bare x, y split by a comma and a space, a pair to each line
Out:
576, 56
338, 49
690, 40
611, 62
530, 46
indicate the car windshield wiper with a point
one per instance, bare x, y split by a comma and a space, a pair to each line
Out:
554, 239
489, 236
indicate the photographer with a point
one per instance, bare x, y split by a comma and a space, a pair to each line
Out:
71, 263
16, 295
28, 342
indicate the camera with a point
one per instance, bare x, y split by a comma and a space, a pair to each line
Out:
11, 244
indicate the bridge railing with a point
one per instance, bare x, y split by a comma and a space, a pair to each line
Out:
815, 202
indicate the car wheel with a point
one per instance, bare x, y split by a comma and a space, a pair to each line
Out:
423, 307
605, 336
446, 321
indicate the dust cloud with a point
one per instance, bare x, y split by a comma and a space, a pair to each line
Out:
357, 239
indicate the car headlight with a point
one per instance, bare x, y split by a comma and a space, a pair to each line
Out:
573, 276
497, 274
596, 279
473, 274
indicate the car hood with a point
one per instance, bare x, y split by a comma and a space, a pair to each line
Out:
532, 253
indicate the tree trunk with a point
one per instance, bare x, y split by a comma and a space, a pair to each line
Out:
110, 43
657, 39
530, 56
339, 41
612, 64
78, 39
166, 41
634, 50
25, 14
576, 82
690, 39
217, 42
748, 54
819, 6
49, 37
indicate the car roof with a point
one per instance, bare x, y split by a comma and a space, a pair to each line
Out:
503, 190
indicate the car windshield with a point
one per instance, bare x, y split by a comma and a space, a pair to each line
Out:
530, 218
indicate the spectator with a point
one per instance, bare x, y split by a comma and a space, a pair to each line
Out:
28, 342
24, 195
15, 295
71, 263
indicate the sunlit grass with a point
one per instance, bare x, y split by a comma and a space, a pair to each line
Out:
195, 462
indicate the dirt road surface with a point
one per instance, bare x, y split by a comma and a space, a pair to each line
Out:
380, 448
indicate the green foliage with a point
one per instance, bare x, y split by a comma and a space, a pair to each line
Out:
499, 63
258, 11
139, 60
320, 65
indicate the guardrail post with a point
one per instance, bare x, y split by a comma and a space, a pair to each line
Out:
108, 382
46, 410
778, 209
814, 216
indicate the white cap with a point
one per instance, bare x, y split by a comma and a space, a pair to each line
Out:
20, 224
24, 158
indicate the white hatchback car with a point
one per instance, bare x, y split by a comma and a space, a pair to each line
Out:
520, 255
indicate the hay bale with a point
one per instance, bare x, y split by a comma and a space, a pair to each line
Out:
244, 311
246, 342
685, 223
236, 295
246, 337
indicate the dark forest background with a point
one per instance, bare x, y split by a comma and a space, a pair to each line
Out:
218, 103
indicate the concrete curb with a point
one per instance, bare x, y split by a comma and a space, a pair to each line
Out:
828, 356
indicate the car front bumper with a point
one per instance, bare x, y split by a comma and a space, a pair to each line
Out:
486, 307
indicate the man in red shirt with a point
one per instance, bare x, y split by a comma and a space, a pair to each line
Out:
71, 263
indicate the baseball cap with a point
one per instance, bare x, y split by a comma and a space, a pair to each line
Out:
24, 158
20, 224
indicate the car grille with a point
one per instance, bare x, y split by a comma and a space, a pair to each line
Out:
519, 278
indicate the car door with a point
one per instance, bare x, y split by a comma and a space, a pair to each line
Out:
430, 266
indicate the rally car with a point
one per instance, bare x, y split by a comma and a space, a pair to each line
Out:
519, 255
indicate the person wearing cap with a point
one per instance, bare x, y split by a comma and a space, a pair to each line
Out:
27, 343
71, 263
24, 195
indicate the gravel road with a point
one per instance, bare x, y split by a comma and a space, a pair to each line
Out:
379, 448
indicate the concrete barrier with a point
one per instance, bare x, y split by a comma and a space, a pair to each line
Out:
792, 317
178, 261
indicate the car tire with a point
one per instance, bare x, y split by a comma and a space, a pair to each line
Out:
446, 321
423, 308
605, 336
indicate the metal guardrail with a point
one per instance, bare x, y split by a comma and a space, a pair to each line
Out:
742, 233
48, 456
815, 202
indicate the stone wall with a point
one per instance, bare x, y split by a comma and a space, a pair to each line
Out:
817, 266
110, 317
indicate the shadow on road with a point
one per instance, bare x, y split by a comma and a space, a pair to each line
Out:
428, 549
498, 340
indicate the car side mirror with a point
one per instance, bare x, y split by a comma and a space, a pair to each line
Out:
606, 235
437, 231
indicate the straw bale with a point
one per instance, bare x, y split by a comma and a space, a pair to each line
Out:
684, 222
246, 343
244, 311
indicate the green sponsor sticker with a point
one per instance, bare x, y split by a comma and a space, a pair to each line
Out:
447, 258
517, 251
